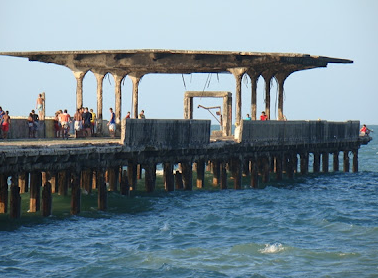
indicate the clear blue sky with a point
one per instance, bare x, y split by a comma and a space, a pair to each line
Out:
341, 29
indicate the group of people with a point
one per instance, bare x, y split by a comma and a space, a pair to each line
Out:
84, 122
5, 122
263, 117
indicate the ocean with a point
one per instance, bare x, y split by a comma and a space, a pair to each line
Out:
319, 225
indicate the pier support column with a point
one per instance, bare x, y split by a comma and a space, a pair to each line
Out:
135, 78
150, 177
254, 174
281, 77
86, 180
265, 169
216, 172
113, 173
304, 163
3, 193
124, 185
132, 174
118, 99
289, 165
168, 176
254, 77
336, 161
201, 173
35, 191
46, 199
64, 178
178, 181
99, 79
75, 194
355, 161
15, 198
139, 172
79, 75
187, 176
238, 74
223, 175
346, 161
23, 182
54, 181
246, 164
267, 75
278, 164
316, 164
102, 197
236, 171
325, 162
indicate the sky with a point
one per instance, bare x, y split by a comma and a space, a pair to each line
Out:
334, 28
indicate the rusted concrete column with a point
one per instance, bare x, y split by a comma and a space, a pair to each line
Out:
124, 184
23, 182
346, 161
46, 199
316, 163
216, 172
86, 180
35, 191
54, 181
238, 74
246, 165
278, 164
75, 194
118, 99
254, 77
3, 193
94, 178
15, 198
281, 77
135, 78
289, 165
168, 176
355, 161
99, 79
187, 175
188, 108
79, 75
102, 193
254, 173
150, 177
265, 169
236, 171
295, 163
223, 175
304, 163
139, 172
112, 174
201, 173
325, 162
336, 161
178, 181
267, 75
132, 174
64, 179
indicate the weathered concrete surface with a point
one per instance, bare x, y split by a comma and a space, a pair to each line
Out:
303, 132
149, 134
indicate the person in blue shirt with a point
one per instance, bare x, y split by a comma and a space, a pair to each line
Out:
248, 118
111, 123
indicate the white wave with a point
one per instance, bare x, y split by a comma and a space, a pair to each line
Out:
272, 248
165, 227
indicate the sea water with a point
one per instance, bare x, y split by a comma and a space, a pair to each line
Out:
320, 225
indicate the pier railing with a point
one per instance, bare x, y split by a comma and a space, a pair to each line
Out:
296, 132
153, 134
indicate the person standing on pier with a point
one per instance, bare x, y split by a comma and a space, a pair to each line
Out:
128, 115
2, 113
141, 115
87, 118
248, 118
6, 125
263, 116
36, 123
78, 122
93, 122
111, 123
40, 105
31, 125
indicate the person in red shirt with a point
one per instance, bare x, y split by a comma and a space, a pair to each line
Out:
263, 116
364, 131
